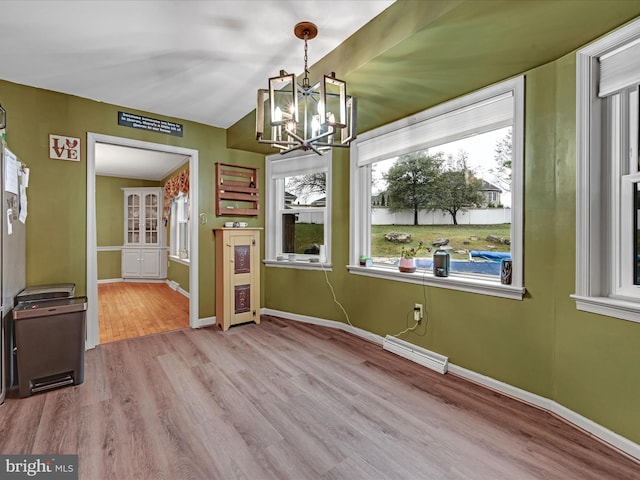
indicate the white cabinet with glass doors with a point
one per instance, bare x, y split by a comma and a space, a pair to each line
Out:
143, 252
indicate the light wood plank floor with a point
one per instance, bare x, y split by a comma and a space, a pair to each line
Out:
132, 309
284, 400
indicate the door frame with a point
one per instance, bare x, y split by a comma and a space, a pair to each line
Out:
93, 336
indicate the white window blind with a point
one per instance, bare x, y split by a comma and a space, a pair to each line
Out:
301, 165
483, 116
619, 69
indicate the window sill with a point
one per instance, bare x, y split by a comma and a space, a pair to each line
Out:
298, 264
183, 261
453, 282
611, 307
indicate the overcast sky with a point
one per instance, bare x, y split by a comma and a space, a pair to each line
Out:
480, 150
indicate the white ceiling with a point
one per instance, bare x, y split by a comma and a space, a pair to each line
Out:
195, 60
117, 161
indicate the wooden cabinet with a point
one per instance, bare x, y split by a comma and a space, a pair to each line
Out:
237, 276
144, 255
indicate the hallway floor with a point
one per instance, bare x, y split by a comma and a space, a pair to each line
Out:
132, 309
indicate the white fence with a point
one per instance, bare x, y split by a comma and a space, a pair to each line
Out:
480, 216
382, 216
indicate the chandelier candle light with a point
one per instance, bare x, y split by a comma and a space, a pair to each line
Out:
306, 117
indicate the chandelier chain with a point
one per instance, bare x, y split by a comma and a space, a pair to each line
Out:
305, 80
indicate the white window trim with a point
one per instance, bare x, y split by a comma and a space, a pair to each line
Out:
183, 261
173, 230
294, 163
623, 233
360, 214
593, 278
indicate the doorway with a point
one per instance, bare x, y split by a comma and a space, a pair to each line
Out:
94, 140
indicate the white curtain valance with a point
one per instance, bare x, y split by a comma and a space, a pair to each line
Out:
301, 165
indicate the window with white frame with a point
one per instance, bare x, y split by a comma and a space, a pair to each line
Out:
430, 169
608, 176
298, 226
179, 227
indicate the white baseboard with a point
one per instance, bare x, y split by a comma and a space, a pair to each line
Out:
616, 441
372, 337
143, 280
173, 285
603, 434
110, 280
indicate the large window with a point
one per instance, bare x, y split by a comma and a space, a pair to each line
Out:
608, 176
450, 177
298, 229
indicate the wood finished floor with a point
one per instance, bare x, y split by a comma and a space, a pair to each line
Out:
285, 400
132, 309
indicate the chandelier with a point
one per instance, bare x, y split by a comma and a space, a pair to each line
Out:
305, 117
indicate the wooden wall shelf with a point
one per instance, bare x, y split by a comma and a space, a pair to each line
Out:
236, 190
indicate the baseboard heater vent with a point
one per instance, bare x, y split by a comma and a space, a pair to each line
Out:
416, 354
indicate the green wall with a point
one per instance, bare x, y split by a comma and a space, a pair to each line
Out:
109, 264
110, 207
542, 344
110, 226
179, 272
110, 220
56, 225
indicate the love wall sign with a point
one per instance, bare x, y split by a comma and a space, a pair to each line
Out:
64, 148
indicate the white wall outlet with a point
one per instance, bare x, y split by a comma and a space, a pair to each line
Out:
418, 312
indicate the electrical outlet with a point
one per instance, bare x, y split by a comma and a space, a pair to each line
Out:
418, 312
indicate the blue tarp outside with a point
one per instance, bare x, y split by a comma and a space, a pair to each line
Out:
492, 256
489, 267
464, 266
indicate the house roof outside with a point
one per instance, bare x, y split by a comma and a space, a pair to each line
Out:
488, 187
289, 198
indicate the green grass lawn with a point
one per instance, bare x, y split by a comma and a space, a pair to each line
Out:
307, 234
461, 237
